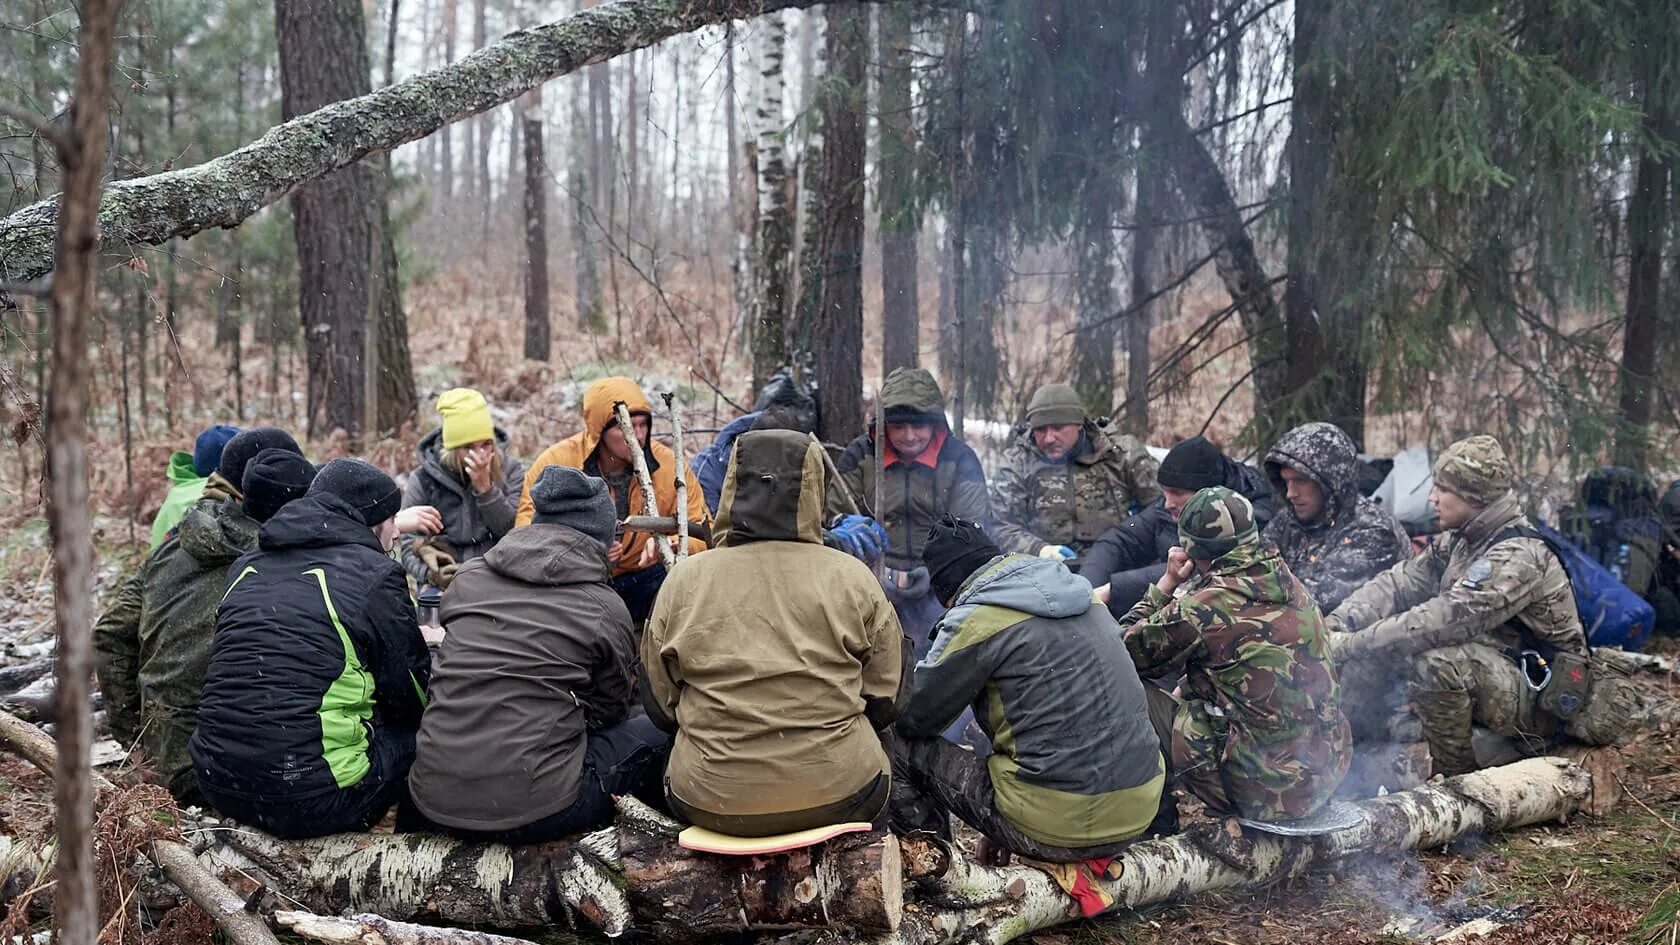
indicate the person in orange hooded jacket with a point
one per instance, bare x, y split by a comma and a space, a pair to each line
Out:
600, 449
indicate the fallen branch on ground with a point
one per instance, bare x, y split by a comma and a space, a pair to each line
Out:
378, 930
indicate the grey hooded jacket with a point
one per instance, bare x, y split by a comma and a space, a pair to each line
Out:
1075, 761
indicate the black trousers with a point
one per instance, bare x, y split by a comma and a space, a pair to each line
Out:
346, 810
638, 589
627, 758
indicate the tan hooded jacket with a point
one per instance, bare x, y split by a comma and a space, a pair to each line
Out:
779, 659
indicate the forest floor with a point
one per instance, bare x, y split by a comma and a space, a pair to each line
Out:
1589, 881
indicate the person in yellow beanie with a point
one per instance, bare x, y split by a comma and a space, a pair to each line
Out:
466, 474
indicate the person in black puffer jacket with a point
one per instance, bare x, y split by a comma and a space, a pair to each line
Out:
318, 674
1131, 556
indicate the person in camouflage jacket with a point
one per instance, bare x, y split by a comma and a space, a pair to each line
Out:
152, 645
1332, 538
1067, 479
1259, 732
1455, 619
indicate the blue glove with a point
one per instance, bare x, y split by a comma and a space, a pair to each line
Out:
860, 536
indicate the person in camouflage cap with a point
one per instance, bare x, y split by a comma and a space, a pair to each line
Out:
1479, 622
1067, 478
1332, 538
1259, 732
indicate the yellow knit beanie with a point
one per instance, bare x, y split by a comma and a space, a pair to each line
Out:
466, 417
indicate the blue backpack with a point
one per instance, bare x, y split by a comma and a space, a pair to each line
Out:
1611, 613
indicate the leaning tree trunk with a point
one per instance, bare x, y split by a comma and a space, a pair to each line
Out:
226, 190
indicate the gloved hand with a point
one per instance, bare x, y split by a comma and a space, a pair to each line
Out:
860, 536
904, 586
1343, 645
440, 564
1057, 551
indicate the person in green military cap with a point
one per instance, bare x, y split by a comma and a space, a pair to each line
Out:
1483, 625
1257, 731
1067, 478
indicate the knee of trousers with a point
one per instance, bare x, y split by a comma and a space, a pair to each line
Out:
1441, 671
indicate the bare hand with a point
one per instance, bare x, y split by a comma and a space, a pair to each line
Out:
420, 518
1179, 569
615, 550
476, 461
650, 554
1101, 594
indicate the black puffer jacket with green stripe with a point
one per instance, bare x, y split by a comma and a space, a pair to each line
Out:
316, 649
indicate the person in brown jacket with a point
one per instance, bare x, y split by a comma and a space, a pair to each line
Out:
778, 660
527, 737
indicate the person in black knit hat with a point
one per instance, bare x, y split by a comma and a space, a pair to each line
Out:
1095, 772
1130, 557
319, 673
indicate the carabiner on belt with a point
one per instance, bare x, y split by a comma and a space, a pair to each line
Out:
1532, 661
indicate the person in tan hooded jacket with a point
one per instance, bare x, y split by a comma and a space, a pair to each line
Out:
599, 449
778, 660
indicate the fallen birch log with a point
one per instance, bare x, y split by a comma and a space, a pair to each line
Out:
378, 930
948, 899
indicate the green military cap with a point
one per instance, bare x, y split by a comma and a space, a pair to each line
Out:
1215, 522
1053, 405
1475, 469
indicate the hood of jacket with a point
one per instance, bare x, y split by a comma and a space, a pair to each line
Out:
598, 403
549, 555
1326, 455
316, 521
774, 489
181, 469
914, 389
1042, 587
215, 533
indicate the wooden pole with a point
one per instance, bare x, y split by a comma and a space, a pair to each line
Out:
681, 450
649, 499
835, 477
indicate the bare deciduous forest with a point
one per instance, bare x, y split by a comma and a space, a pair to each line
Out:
1416, 219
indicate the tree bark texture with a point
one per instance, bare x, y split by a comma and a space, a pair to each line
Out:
346, 280
775, 216
377, 930
536, 230
446, 168
900, 218
837, 338
224, 191
81, 154
1647, 221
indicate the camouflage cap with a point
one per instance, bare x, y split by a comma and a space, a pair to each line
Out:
1475, 469
1215, 522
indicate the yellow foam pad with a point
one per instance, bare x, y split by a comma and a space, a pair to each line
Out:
710, 841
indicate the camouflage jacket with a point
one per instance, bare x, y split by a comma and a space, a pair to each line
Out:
1257, 681
1036, 502
1464, 587
1353, 540
152, 645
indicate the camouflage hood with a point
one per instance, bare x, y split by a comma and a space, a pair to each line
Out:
216, 532
1327, 456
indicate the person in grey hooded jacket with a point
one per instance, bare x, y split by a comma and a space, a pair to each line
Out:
1332, 538
1077, 769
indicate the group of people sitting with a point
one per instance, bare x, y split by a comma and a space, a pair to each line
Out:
1117, 629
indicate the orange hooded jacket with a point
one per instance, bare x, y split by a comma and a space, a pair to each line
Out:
576, 449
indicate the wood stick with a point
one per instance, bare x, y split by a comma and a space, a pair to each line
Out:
177, 861
649, 498
881, 474
681, 450
657, 524
367, 929
835, 477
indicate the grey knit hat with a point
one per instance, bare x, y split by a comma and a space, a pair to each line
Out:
1055, 405
564, 496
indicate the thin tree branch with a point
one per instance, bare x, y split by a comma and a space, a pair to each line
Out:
46, 127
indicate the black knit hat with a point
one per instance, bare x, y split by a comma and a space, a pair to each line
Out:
1191, 465
245, 446
955, 549
368, 491
272, 479
564, 496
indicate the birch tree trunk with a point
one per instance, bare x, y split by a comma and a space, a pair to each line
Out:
775, 218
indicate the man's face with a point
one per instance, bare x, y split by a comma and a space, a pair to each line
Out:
909, 439
1175, 499
1056, 440
1454, 510
613, 439
1303, 495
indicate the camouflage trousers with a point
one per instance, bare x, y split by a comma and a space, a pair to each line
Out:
165, 731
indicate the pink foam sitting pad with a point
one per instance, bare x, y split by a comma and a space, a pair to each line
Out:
710, 841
